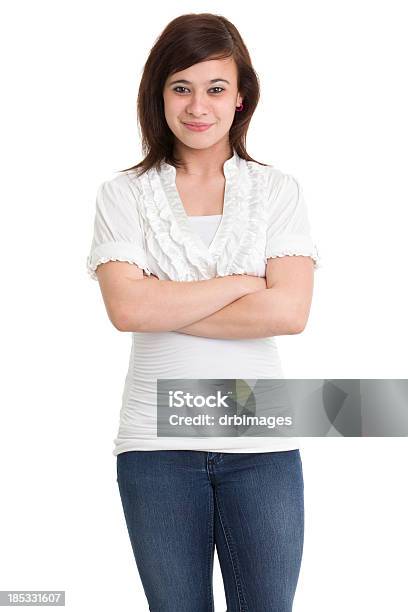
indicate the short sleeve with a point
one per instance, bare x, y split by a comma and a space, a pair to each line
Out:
117, 230
288, 231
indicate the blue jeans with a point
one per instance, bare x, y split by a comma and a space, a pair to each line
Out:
179, 504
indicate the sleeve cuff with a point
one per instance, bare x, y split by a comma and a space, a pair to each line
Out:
293, 244
116, 251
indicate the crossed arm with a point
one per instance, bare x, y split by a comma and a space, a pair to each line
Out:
282, 307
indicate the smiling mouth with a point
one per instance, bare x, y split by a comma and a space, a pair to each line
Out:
197, 124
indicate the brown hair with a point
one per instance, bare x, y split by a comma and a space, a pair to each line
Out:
187, 40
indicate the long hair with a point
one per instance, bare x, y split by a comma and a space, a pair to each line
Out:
187, 40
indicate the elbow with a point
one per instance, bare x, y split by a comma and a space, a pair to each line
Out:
298, 323
126, 324
123, 323
297, 326
120, 325
294, 320
291, 313
287, 326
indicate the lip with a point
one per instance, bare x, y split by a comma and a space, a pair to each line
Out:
198, 127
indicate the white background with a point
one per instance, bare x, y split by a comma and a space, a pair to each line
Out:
333, 113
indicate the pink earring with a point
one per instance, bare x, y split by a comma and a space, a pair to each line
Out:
239, 108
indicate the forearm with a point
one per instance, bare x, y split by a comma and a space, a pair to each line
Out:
163, 305
260, 314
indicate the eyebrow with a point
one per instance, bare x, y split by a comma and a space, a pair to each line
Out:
189, 82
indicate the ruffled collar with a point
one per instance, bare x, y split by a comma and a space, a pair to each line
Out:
231, 168
170, 237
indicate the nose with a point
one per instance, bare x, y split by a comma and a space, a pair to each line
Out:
197, 105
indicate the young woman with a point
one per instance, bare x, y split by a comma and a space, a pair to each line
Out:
205, 255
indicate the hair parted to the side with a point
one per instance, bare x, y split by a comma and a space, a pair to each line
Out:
185, 41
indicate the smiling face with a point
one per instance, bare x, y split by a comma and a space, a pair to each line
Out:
203, 93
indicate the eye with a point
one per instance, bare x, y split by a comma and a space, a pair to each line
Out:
181, 87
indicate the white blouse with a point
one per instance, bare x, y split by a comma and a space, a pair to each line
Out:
142, 220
